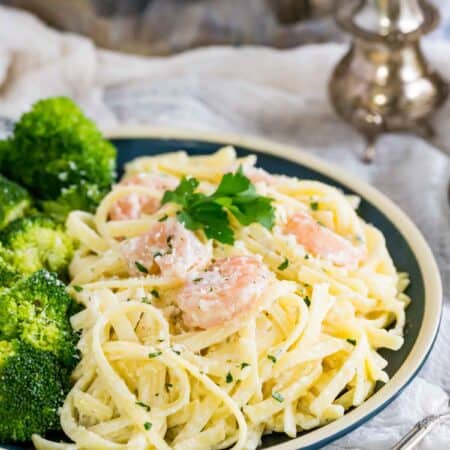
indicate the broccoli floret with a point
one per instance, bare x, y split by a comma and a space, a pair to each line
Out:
55, 147
8, 275
84, 197
33, 386
5, 148
36, 310
36, 242
14, 201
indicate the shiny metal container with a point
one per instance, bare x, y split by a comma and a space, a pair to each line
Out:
384, 83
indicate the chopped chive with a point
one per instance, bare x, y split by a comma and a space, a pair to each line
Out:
156, 254
197, 280
143, 405
272, 358
155, 293
244, 365
306, 256
145, 300
148, 426
163, 218
140, 267
278, 397
229, 378
307, 300
314, 206
284, 264
351, 341
77, 288
168, 386
154, 355
176, 351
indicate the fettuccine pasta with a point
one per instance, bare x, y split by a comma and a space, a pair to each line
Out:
188, 343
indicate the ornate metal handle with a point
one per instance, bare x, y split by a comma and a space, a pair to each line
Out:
419, 431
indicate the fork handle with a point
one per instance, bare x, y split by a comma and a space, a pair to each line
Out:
417, 433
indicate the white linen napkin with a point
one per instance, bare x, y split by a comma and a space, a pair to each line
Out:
281, 95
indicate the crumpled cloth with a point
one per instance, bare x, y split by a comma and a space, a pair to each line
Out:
281, 95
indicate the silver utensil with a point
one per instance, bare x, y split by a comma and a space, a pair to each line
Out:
420, 430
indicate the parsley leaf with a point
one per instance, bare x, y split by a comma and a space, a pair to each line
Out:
272, 358
284, 265
148, 426
154, 354
77, 288
229, 378
307, 300
278, 397
351, 341
143, 405
183, 191
140, 267
314, 206
235, 195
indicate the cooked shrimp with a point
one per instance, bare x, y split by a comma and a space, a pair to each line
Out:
134, 205
227, 289
322, 242
168, 248
256, 174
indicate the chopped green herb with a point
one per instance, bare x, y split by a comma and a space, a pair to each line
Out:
77, 288
143, 405
138, 322
278, 397
163, 218
314, 206
284, 265
160, 340
169, 241
272, 358
155, 293
176, 351
235, 195
154, 354
148, 426
307, 300
244, 365
156, 254
229, 378
169, 386
352, 341
146, 300
197, 280
140, 267
306, 256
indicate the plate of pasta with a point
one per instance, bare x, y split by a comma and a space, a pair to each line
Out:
238, 294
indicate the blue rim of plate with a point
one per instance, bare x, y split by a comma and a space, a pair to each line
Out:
138, 141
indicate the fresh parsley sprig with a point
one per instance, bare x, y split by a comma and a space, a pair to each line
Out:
235, 195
